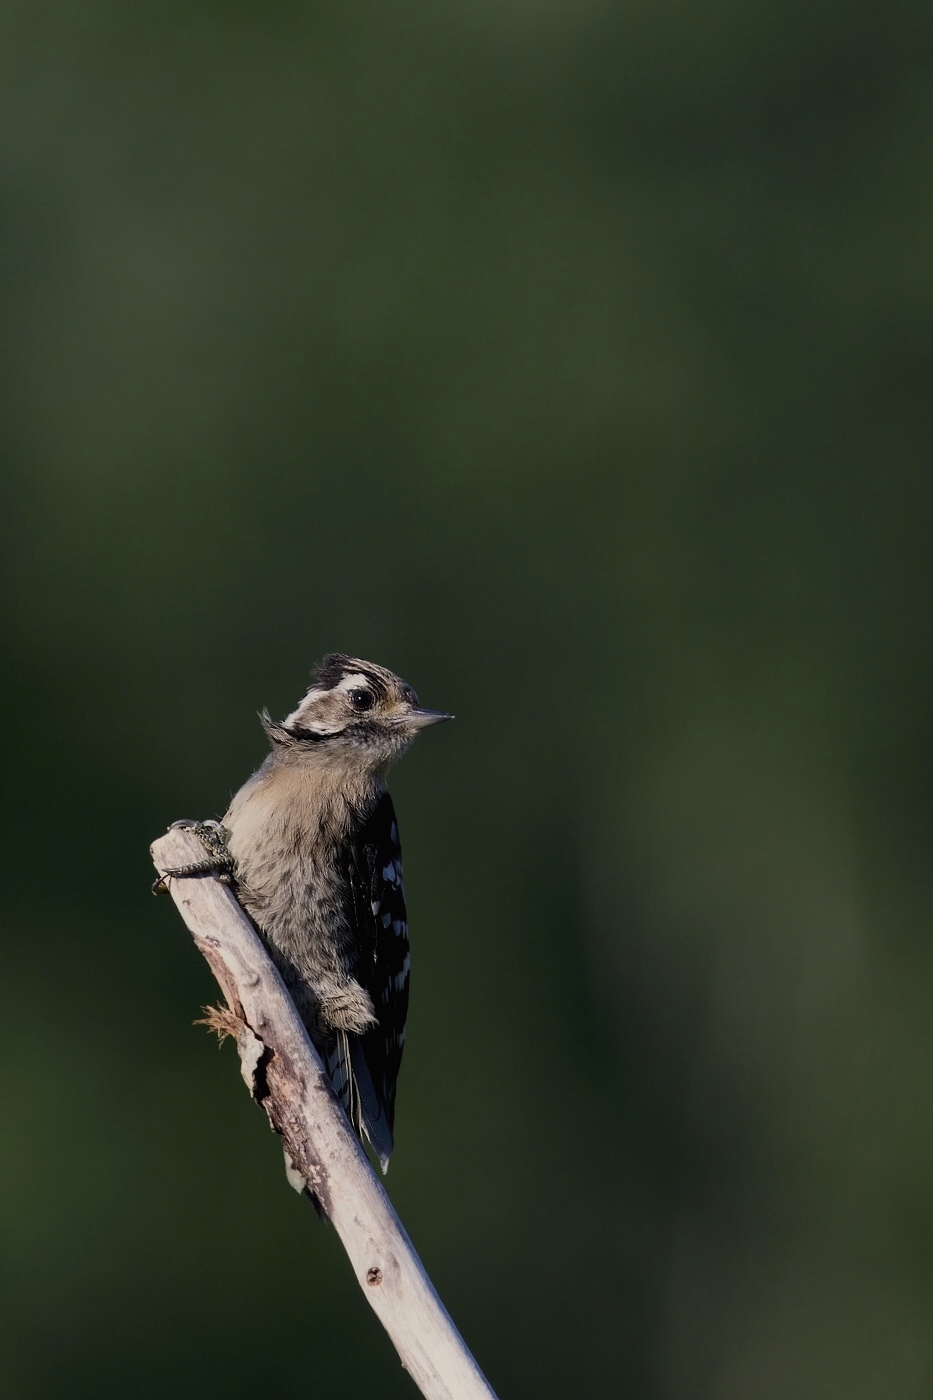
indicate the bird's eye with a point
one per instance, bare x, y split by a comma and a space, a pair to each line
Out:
361, 699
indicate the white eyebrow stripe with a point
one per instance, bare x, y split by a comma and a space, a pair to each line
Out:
316, 726
315, 693
296, 715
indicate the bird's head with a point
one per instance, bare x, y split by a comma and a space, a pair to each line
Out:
355, 711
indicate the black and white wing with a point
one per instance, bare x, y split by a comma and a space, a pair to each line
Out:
379, 896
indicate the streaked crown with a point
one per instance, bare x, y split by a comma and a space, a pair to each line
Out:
355, 704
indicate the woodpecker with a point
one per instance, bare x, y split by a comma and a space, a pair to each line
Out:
311, 845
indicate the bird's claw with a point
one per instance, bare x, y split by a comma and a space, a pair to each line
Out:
218, 862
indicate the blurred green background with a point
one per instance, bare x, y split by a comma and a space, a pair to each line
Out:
574, 360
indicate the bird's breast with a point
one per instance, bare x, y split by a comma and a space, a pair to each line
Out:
289, 836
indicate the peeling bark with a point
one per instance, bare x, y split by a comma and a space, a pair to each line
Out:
284, 1074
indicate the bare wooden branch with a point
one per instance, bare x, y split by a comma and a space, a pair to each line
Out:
285, 1075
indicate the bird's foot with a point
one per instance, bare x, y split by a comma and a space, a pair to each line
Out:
218, 861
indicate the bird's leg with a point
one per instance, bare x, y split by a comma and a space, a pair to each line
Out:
218, 861
347, 1007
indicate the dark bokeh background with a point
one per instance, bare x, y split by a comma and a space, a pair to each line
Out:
573, 360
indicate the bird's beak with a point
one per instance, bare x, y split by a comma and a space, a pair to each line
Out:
420, 719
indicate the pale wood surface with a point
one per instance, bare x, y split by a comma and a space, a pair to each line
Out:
284, 1073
